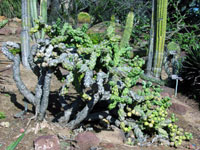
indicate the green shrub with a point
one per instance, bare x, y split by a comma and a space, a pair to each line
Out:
96, 37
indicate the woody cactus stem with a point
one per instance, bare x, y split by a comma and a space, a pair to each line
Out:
25, 41
128, 29
161, 20
34, 15
43, 13
40, 99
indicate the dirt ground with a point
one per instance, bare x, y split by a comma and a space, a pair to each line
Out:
11, 102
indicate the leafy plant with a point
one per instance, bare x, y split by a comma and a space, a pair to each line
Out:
13, 145
15, 51
3, 23
190, 71
96, 37
2, 115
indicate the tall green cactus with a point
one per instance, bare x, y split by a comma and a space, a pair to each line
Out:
128, 30
34, 15
25, 38
161, 20
43, 13
29, 9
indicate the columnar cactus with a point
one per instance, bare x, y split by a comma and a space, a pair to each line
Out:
128, 30
161, 19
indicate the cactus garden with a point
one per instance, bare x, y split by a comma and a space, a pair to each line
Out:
131, 84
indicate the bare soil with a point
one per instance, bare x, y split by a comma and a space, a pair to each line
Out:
11, 102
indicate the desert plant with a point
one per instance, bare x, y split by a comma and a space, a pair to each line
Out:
84, 17
190, 71
161, 18
128, 30
25, 38
30, 14
104, 76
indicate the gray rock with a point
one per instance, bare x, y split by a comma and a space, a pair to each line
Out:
87, 140
48, 142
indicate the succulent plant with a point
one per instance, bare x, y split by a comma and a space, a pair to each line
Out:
191, 71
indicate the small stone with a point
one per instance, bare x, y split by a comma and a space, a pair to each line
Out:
86, 140
178, 109
22, 130
5, 124
107, 145
48, 142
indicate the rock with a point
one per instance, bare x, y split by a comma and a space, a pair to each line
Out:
5, 31
18, 31
2, 18
5, 124
86, 140
164, 94
48, 142
178, 109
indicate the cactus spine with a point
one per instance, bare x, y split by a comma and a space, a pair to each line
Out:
128, 30
161, 20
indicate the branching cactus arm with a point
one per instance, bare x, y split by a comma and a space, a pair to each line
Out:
33, 66
45, 97
16, 71
84, 112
